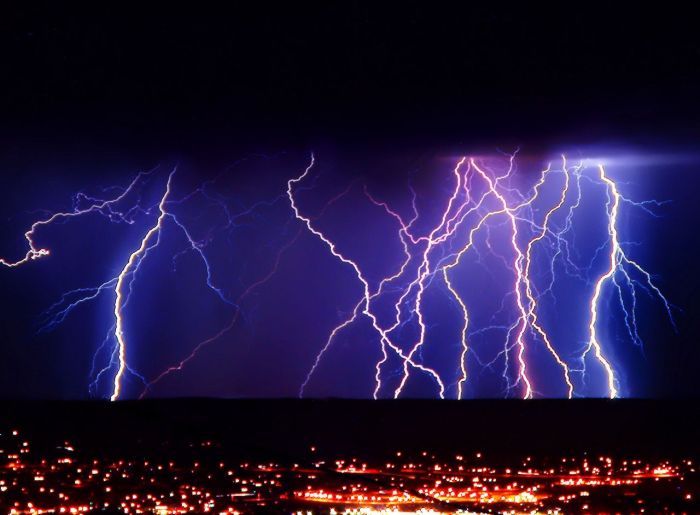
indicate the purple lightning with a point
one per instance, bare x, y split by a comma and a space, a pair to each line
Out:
469, 210
482, 207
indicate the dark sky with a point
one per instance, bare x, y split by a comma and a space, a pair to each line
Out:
89, 95
178, 75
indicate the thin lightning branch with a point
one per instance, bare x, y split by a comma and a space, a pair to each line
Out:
35, 252
532, 302
180, 365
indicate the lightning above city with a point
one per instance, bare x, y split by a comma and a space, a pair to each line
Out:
349, 257
486, 276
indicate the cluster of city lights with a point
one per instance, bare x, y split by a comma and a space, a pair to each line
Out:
64, 479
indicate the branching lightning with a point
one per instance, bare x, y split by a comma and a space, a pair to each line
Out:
472, 211
522, 235
121, 284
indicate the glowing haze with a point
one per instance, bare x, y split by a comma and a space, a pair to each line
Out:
492, 280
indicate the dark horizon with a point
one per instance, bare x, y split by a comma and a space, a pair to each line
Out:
288, 428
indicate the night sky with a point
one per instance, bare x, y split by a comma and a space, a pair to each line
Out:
387, 98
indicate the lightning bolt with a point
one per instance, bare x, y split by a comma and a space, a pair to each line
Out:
532, 302
437, 256
617, 259
134, 260
481, 207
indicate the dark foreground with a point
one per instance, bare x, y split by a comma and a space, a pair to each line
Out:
283, 456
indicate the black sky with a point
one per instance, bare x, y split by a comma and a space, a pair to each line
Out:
360, 70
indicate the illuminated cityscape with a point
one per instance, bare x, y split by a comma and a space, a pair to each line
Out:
64, 479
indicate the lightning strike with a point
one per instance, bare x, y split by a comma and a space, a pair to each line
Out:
133, 262
484, 213
437, 256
